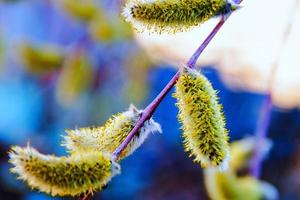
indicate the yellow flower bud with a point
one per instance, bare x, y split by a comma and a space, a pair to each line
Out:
63, 176
204, 132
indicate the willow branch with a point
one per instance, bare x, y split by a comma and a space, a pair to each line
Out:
150, 109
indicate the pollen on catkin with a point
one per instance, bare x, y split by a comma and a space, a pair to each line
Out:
203, 125
173, 15
63, 176
109, 136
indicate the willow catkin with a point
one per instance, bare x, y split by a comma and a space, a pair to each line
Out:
173, 15
41, 60
242, 151
84, 10
227, 185
109, 136
204, 132
63, 176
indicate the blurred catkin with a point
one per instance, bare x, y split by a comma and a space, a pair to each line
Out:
75, 78
203, 125
229, 185
105, 28
40, 60
84, 10
138, 67
242, 152
63, 176
226, 186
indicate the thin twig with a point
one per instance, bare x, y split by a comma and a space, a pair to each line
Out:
262, 127
266, 109
260, 135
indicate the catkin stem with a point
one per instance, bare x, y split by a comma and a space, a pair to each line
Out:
150, 109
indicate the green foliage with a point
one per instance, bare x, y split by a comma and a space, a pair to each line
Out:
63, 176
204, 132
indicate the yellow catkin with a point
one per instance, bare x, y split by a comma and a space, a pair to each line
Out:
84, 10
63, 176
109, 136
41, 60
203, 125
227, 185
242, 152
173, 15
75, 78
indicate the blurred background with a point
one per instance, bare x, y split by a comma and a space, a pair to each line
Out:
67, 64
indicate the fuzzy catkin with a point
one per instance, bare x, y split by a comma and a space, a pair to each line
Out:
109, 136
227, 186
173, 15
204, 132
63, 176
